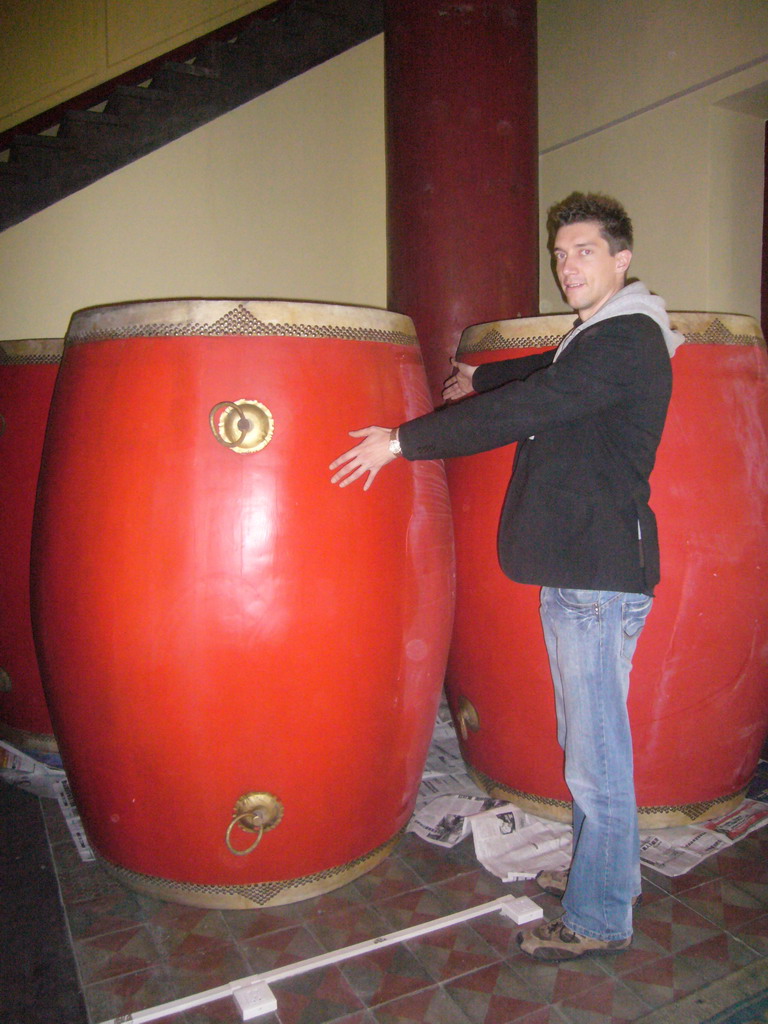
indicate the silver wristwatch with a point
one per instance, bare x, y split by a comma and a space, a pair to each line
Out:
394, 443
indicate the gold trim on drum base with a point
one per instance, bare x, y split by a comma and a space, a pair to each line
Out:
38, 742
257, 895
542, 806
669, 816
689, 814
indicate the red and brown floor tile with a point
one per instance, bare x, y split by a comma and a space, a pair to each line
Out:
389, 878
83, 880
471, 889
434, 863
121, 996
724, 903
412, 908
678, 883
609, 1003
115, 953
495, 995
316, 997
453, 951
673, 925
347, 926
251, 924
429, 1006
385, 974
112, 912
186, 931
673, 977
205, 969
754, 934
554, 982
279, 949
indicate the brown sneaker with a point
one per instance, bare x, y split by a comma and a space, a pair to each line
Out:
555, 882
553, 941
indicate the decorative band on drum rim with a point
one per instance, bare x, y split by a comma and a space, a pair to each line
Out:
664, 816
33, 352
547, 331
237, 319
528, 332
257, 894
40, 742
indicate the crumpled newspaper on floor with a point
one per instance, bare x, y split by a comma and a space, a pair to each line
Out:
514, 844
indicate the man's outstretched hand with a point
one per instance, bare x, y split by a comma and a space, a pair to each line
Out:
373, 453
369, 456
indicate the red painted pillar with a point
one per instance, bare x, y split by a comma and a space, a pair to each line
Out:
462, 212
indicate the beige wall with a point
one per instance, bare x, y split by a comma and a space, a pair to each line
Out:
51, 51
282, 198
661, 102
605, 60
676, 132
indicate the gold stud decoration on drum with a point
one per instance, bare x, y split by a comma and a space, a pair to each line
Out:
28, 371
698, 698
245, 661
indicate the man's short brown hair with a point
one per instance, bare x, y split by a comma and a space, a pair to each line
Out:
615, 225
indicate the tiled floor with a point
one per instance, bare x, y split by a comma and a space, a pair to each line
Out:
133, 952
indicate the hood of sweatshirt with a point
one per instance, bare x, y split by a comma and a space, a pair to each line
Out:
633, 298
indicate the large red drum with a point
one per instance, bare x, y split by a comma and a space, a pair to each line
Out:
27, 374
243, 662
699, 695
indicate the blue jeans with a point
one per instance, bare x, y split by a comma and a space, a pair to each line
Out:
591, 637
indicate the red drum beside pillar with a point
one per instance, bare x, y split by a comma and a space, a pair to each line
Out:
699, 693
27, 375
236, 652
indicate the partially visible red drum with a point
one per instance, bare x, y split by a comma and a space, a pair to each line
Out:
27, 374
243, 662
699, 692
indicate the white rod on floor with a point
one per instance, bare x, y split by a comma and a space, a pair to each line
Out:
302, 966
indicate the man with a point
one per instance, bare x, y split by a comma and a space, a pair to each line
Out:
576, 520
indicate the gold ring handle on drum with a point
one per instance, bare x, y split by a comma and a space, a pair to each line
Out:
251, 823
467, 717
243, 426
254, 812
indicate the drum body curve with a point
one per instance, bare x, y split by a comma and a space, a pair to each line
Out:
698, 698
220, 628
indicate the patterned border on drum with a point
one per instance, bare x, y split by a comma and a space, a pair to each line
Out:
664, 816
547, 331
241, 322
542, 806
717, 328
35, 742
528, 332
689, 814
37, 352
257, 895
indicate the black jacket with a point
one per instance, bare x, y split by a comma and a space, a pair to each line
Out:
577, 512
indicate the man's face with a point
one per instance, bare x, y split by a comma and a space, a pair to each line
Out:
588, 274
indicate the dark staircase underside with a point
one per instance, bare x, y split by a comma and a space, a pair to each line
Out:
123, 122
